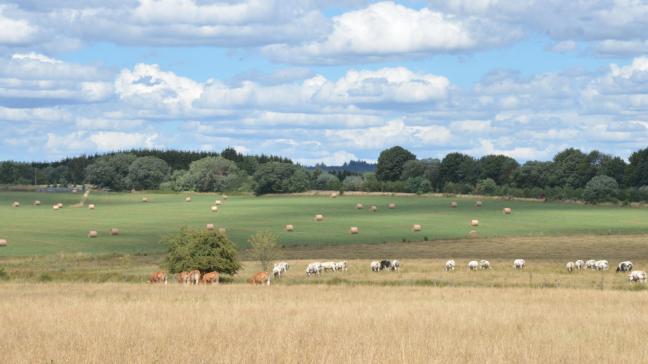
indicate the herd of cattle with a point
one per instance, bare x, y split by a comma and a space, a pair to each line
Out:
195, 277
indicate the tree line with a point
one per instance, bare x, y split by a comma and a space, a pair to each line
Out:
571, 174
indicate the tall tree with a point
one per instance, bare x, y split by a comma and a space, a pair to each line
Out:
458, 168
499, 168
147, 173
637, 170
391, 162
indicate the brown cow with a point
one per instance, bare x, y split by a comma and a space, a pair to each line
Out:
183, 277
194, 277
260, 278
158, 277
210, 278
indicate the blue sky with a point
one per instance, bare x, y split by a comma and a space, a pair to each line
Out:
323, 81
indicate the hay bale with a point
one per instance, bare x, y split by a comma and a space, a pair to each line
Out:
36, 203
453, 204
188, 199
214, 208
225, 197
222, 231
473, 234
289, 228
74, 190
392, 205
416, 227
319, 217
114, 231
91, 206
55, 207
145, 199
373, 209
209, 227
507, 211
92, 234
354, 230
15, 204
218, 202
3, 242
334, 195
359, 206
60, 205
474, 222
478, 204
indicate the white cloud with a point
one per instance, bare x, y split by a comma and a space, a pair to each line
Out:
111, 140
393, 132
334, 159
15, 31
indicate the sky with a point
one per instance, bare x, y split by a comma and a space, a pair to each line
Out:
323, 81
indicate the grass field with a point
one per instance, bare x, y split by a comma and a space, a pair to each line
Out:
119, 323
38, 230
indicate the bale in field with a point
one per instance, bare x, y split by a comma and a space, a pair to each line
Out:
319, 217
214, 209
359, 206
36, 203
416, 227
473, 234
114, 231
91, 206
55, 207
222, 231
218, 202
478, 204
92, 234
15, 204
145, 199
188, 199
373, 209
334, 195
225, 197
474, 222
209, 227
289, 228
507, 211
3, 242
391, 205
453, 204
60, 205
354, 230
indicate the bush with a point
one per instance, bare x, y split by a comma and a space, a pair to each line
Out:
486, 187
264, 248
3, 274
353, 183
418, 185
601, 189
204, 250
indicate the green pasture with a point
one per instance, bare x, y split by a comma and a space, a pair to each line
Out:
39, 230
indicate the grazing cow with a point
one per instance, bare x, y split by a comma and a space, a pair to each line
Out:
210, 278
158, 277
602, 265
625, 266
579, 264
519, 263
193, 277
450, 265
590, 264
375, 266
637, 276
484, 264
279, 268
329, 266
341, 265
385, 264
395, 264
570, 266
183, 277
260, 278
314, 268
473, 265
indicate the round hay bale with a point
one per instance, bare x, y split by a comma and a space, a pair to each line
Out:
222, 231
359, 206
188, 199
225, 197
289, 228
209, 227
416, 227
114, 231
60, 205
392, 205
145, 199
373, 209
15, 204
92, 234
354, 230
218, 202
334, 195
453, 204
478, 204
474, 222
473, 234
214, 208
36, 203
55, 207
507, 211
319, 217
91, 206
3, 242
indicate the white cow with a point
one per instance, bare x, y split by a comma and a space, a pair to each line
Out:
314, 268
375, 266
637, 276
625, 266
519, 263
329, 266
473, 265
395, 264
601, 265
579, 264
484, 264
450, 265
570, 266
341, 265
590, 264
279, 269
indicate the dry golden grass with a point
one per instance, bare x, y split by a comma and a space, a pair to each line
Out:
139, 323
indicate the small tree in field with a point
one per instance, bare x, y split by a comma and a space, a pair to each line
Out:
204, 250
264, 248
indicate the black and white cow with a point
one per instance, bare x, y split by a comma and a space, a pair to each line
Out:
625, 266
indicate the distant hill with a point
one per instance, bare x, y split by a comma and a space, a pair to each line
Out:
352, 166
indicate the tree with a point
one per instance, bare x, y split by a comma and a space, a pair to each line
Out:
212, 174
601, 189
571, 168
486, 187
637, 170
264, 248
273, 177
353, 183
532, 174
147, 173
413, 168
391, 162
110, 171
499, 168
204, 250
327, 181
458, 168
418, 185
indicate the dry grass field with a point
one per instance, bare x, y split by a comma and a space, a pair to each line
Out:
134, 323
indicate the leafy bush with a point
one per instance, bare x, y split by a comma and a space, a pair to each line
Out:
204, 250
601, 189
264, 248
486, 186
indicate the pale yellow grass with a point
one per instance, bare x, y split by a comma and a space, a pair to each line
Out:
139, 323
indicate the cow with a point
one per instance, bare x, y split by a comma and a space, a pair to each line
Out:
314, 268
570, 266
625, 266
210, 278
395, 265
473, 265
590, 264
341, 265
260, 278
579, 264
484, 264
158, 277
450, 265
519, 264
183, 277
637, 276
279, 268
375, 266
193, 277
329, 266
385, 264
602, 265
